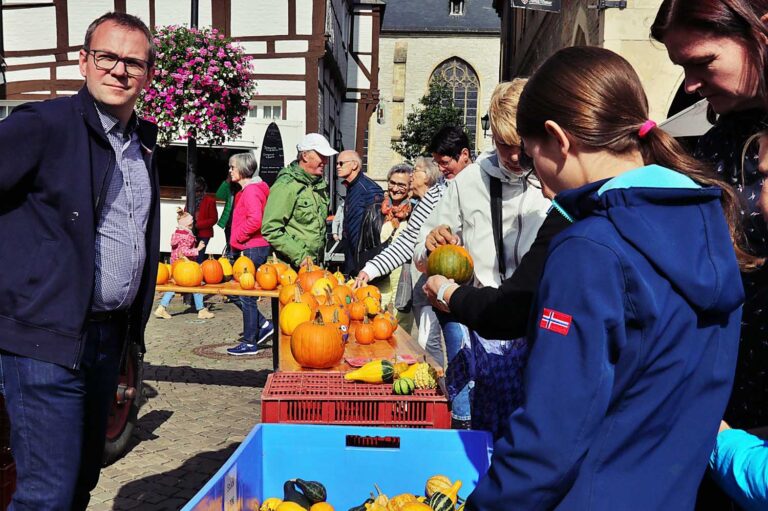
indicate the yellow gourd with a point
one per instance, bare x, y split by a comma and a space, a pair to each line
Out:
271, 504
289, 506
415, 506
321, 506
438, 482
377, 371
247, 281
410, 372
397, 502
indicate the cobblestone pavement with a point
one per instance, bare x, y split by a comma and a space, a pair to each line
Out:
200, 404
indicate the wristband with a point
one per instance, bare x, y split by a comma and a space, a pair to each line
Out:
441, 292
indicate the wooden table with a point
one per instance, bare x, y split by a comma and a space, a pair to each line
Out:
232, 288
401, 343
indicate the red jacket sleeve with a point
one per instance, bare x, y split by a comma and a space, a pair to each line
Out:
207, 215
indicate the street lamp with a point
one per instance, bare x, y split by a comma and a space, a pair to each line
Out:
485, 123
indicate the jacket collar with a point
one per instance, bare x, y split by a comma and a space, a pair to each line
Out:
86, 106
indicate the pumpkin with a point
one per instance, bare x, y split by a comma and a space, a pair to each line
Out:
364, 333
317, 345
311, 266
382, 328
288, 505
320, 285
369, 290
293, 500
452, 261
321, 506
170, 270
437, 482
240, 263
270, 504
213, 273
294, 314
162, 273
288, 276
356, 311
266, 276
398, 501
372, 305
343, 294
310, 300
415, 506
226, 267
247, 280
389, 315
287, 292
340, 278
334, 313
187, 273
279, 266
308, 278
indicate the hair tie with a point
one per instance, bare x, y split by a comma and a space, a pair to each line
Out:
646, 127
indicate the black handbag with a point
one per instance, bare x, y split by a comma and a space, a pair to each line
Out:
369, 253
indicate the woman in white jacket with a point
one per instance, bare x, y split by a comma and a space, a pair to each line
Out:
465, 210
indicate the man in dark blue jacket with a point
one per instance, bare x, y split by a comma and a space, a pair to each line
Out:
362, 191
79, 208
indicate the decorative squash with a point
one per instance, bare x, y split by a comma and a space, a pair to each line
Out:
288, 505
389, 315
397, 502
321, 506
162, 273
364, 333
294, 314
270, 504
452, 261
292, 496
339, 277
313, 490
376, 371
382, 328
369, 290
226, 267
403, 386
247, 280
411, 373
242, 262
356, 311
187, 273
440, 501
213, 273
317, 345
170, 270
372, 305
425, 376
320, 286
266, 276
289, 276
415, 506
437, 483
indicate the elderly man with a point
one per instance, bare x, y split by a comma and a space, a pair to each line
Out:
78, 186
294, 217
362, 191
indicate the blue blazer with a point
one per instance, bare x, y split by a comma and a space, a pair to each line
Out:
55, 163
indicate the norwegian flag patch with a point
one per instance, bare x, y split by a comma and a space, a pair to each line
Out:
554, 321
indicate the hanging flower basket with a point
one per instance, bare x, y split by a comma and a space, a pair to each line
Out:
201, 86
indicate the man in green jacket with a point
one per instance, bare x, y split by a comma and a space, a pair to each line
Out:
294, 217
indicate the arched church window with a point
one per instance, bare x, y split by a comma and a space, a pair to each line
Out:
463, 81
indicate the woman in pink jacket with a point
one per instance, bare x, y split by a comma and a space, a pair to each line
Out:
246, 239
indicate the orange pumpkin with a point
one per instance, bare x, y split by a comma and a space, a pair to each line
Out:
187, 273
369, 290
308, 267
162, 273
288, 276
213, 273
364, 333
242, 262
343, 294
334, 314
170, 270
310, 300
287, 293
308, 278
372, 305
382, 328
266, 276
389, 315
279, 266
247, 280
356, 311
317, 345
321, 285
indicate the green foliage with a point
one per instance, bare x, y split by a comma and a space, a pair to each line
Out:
435, 111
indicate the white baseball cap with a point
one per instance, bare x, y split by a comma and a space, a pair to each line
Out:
316, 142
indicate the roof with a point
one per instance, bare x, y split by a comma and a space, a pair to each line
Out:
433, 16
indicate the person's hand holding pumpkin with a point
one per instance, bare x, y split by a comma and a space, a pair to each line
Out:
440, 235
361, 280
431, 288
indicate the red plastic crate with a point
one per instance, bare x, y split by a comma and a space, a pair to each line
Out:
327, 398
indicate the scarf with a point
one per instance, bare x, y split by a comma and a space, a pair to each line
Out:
394, 213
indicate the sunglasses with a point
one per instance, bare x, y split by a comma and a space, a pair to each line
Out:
526, 165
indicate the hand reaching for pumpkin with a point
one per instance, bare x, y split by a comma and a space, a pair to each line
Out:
440, 235
201, 245
432, 286
361, 280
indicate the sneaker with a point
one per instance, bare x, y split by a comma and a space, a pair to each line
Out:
244, 349
204, 313
460, 424
162, 313
265, 333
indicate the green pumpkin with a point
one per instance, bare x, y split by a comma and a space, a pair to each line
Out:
403, 386
451, 261
313, 490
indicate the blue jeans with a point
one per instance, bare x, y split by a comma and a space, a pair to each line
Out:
201, 253
454, 334
252, 318
165, 301
58, 420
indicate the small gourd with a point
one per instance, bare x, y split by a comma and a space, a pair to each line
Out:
270, 504
415, 506
397, 502
290, 494
226, 267
403, 386
364, 333
313, 490
440, 501
452, 261
266, 276
242, 263
437, 482
246, 279
162, 273
365, 505
376, 371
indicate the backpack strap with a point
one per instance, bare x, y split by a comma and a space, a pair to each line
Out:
498, 238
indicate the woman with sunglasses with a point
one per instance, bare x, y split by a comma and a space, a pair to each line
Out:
382, 223
638, 310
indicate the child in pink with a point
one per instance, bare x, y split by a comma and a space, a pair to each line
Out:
183, 245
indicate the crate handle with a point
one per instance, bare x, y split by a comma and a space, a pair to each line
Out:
374, 442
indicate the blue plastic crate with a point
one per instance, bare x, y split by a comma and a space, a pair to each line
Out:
333, 455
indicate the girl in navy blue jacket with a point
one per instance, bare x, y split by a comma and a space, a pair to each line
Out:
636, 320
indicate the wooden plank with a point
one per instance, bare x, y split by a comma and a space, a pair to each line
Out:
227, 288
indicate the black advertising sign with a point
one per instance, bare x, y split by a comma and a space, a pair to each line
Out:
537, 5
272, 160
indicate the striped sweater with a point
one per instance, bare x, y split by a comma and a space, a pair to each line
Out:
400, 251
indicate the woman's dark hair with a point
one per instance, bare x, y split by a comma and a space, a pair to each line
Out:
449, 141
739, 19
596, 97
124, 20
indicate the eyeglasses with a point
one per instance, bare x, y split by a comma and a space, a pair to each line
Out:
342, 163
402, 186
526, 165
106, 61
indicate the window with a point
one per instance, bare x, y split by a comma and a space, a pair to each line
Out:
268, 111
463, 81
456, 7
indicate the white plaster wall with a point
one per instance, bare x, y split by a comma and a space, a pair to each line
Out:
259, 17
138, 8
178, 12
280, 88
30, 29
253, 46
296, 110
18, 61
355, 77
304, 17
293, 66
80, 14
363, 33
28, 74
424, 55
68, 73
291, 46
349, 124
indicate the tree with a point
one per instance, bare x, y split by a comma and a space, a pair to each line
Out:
435, 111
